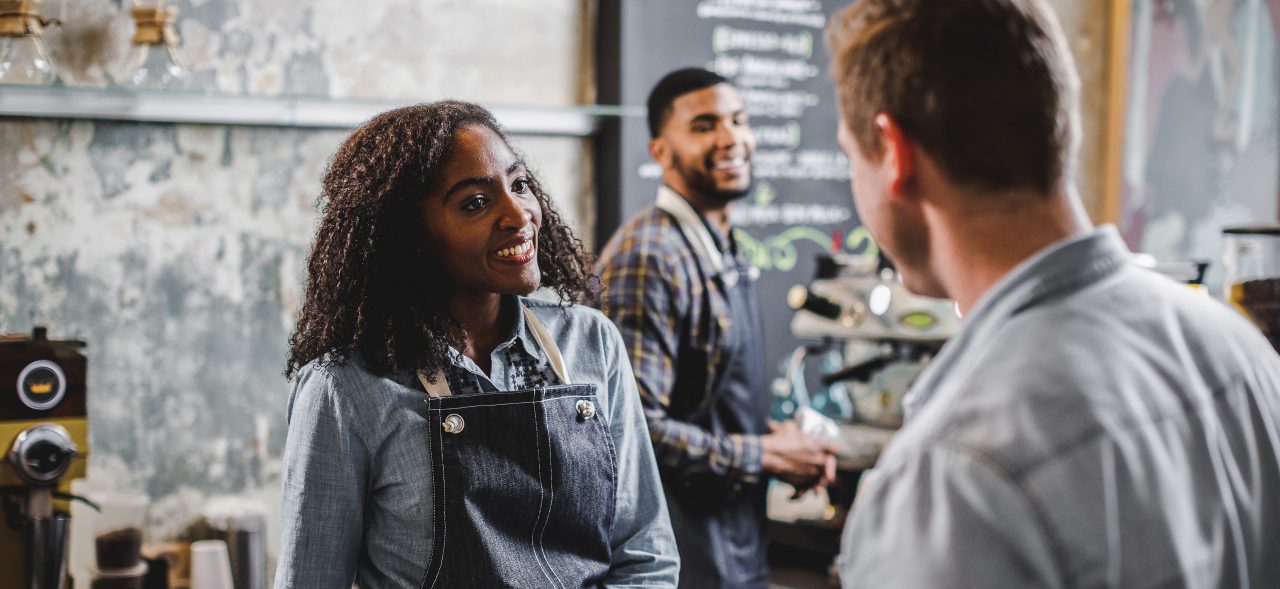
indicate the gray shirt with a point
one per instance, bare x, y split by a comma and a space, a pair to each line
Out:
357, 484
1093, 424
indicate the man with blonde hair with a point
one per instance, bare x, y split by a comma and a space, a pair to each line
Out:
1093, 424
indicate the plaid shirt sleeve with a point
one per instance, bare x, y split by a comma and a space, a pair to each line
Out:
649, 297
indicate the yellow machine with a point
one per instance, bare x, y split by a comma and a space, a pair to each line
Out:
44, 437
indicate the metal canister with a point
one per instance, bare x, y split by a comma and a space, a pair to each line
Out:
246, 545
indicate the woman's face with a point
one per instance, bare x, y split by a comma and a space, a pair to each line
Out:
480, 221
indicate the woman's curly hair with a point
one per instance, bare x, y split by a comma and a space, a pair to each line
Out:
369, 289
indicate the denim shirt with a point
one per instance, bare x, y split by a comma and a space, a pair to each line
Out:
1093, 424
357, 500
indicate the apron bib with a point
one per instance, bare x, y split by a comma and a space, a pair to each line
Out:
524, 484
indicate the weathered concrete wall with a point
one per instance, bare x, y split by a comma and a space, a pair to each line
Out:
177, 251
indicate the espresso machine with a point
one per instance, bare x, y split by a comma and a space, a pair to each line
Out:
44, 439
863, 341
882, 334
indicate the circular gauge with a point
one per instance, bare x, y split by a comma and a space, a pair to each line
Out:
41, 385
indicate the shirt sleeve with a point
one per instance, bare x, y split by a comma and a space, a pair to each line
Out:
944, 518
644, 546
649, 299
325, 468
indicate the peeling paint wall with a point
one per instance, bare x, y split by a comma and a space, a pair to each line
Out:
177, 251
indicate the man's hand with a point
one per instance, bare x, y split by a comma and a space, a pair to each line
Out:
802, 460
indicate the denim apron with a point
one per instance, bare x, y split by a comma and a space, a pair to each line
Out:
721, 529
524, 483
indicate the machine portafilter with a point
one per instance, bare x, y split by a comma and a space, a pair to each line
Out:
41, 455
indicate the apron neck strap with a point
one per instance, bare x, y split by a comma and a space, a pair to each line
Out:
440, 388
548, 345
691, 225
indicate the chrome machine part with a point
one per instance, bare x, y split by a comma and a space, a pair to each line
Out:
41, 454
889, 333
869, 307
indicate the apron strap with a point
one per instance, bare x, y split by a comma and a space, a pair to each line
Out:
695, 231
548, 345
440, 388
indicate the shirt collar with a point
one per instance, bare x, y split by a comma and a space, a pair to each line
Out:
521, 335
520, 338
1062, 267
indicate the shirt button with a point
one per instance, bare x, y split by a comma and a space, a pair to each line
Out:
586, 409
453, 424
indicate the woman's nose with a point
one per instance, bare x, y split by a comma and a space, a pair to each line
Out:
514, 216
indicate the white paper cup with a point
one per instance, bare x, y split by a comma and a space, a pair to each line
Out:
210, 565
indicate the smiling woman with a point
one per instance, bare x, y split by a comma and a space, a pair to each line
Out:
443, 428
374, 286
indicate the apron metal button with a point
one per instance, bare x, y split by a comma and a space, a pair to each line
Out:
586, 409
453, 423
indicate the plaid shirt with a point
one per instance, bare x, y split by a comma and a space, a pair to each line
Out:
673, 318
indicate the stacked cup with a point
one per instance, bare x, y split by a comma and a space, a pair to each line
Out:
210, 565
118, 542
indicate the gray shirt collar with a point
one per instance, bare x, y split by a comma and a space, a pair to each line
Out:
1059, 268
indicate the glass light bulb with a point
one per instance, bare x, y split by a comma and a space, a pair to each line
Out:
157, 67
26, 60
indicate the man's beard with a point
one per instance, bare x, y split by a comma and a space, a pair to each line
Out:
697, 178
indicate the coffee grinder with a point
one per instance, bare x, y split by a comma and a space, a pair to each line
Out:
44, 437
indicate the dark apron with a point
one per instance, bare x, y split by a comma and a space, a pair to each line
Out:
720, 526
721, 530
524, 485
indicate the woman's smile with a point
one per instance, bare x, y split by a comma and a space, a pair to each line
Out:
520, 251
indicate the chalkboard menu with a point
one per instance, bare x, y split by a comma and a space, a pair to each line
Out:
773, 51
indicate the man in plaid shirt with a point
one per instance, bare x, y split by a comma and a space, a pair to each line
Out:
685, 303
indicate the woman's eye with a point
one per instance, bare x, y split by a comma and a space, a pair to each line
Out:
521, 186
474, 204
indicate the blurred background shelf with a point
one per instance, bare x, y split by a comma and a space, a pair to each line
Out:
275, 111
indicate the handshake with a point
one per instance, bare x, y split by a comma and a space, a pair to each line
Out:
802, 451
